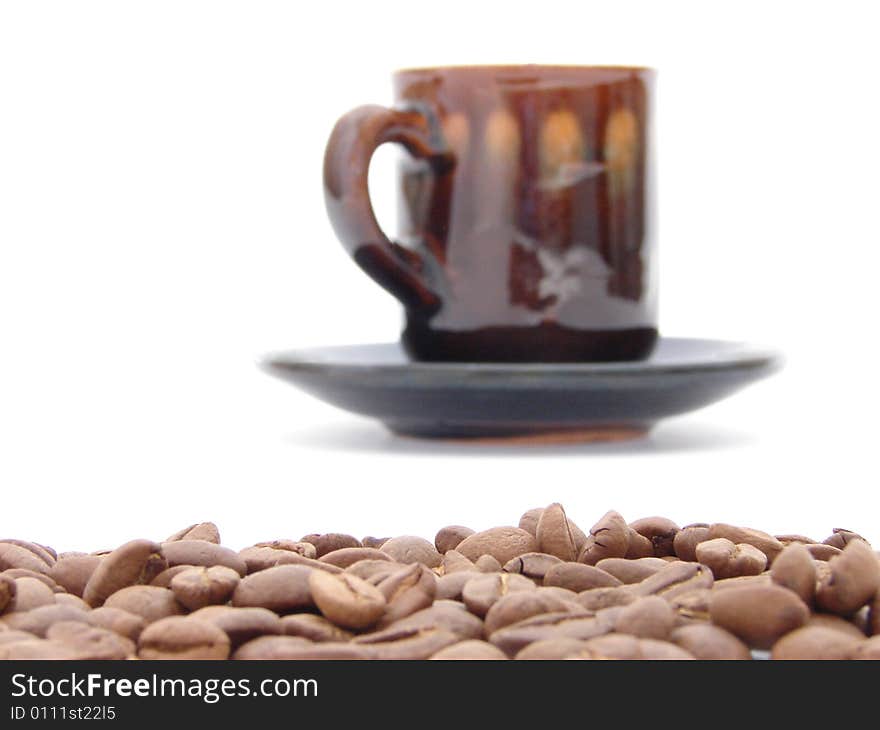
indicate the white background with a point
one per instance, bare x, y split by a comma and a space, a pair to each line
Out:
162, 226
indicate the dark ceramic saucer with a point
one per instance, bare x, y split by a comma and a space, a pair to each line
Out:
564, 401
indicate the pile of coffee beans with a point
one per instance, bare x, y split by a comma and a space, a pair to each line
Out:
544, 589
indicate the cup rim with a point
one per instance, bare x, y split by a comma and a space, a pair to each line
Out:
516, 68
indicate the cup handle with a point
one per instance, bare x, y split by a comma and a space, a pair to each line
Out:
346, 165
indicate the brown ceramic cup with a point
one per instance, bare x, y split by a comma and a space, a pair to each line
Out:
526, 218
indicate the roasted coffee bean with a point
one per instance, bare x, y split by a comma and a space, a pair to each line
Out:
692, 606
794, 569
134, 563
502, 543
767, 544
22, 554
408, 643
91, 642
454, 619
346, 600
853, 581
480, 594
660, 531
556, 648
836, 623
728, 560
639, 546
7, 592
868, 649
687, 538
595, 599
578, 577
823, 552
410, 549
372, 571
345, 557
788, 539
329, 650
532, 565
450, 586
559, 625
183, 637
204, 553
258, 558
306, 549
163, 580
38, 620
743, 580
15, 573
631, 571
72, 573
705, 641
312, 627
282, 589
30, 593
674, 580
815, 642
608, 538
873, 622
453, 561
196, 588
622, 646
11, 636
448, 538
840, 538
241, 624
519, 605
271, 648
553, 534
47, 555
487, 564
37, 649
333, 541
68, 599
649, 618
374, 542
470, 649
529, 520
407, 591
118, 620
758, 614
151, 603
206, 531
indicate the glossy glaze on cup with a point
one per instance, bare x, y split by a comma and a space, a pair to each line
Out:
525, 213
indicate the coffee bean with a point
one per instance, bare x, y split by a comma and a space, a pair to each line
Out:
853, 581
409, 643
532, 565
30, 593
91, 642
631, 571
7, 592
151, 603
38, 620
649, 618
241, 624
374, 542
705, 641
622, 646
37, 649
14, 555
692, 606
728, 560
789, 538
11, 636
472, 649
306, 549
578, 577
518, 605
554, 534
639, 546
283, 589
487, 564
346, 600
68, 599
556, 648
868, 649
271, 648
595, 599
312, 627
687, 538
163, 580
743, 580
183, 637
409, 549
448, 538
372, 571
660, 531
674, 580
261, 557
453, 561
840, 538
134, 563
198, 587
118, 620
407, 591
442, 616
823, 552
529, 520
345, 557
335, 651
204, 553
502, 543
794, 569
480, 594
873, 615
72, 573
836, 623
608, 538
331, 542
559, 625
815, 642
758, 614
206, 531
767, 544
450, 586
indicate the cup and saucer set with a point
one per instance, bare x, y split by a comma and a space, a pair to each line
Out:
525, 262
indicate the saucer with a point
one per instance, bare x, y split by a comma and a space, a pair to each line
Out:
528, 401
